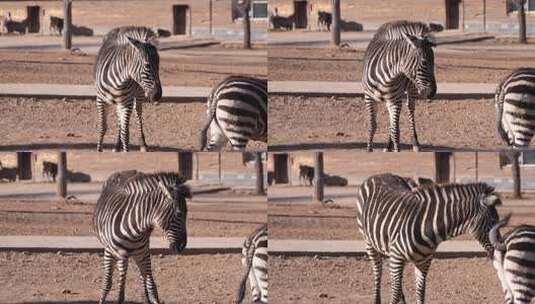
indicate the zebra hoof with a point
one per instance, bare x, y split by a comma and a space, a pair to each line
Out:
143, 149
114, 150
415, 148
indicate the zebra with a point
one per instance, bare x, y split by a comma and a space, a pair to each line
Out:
255, 261
395, 29
50, 170
513, 261
236, 112
515, 108
126, 70
130, 205
407, 226
398, 63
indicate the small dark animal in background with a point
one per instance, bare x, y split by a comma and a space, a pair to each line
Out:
56, 25
306, 173
324, 20
162, 33
281, 22
50, 170
8, 173
12, 26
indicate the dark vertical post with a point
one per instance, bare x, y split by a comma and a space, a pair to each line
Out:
24, 165
197, 165
211, 16
185, 164
259, 174
246, 7
67, 24
62, 175
515, 171
219, 166
485, 16
335, 28
522, 38
442, 167
318, 176
280, 161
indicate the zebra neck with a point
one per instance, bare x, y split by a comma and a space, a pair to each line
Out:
453, 208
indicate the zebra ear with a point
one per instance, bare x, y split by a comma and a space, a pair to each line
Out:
411, 39
491, 200
165, 190
134, 42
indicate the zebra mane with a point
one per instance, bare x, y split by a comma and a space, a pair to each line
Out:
392, 30
118, 36
135, 182
486, 188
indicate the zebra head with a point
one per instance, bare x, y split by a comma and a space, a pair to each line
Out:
173, 217
486, 218
146, 69
420, 65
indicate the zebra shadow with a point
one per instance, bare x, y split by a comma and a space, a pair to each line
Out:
357, 145
82, 146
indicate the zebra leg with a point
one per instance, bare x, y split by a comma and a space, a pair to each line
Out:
420, 271
371, 107
139, 114
396, 278
102, 124
377, 262
122, 266
394, 108
108, 263
411, 105
149, 286
124, 110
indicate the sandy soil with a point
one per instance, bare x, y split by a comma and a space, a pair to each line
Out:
349, 280
304, 122
193, 67
324, 64
53, 123
53, 278
225, 218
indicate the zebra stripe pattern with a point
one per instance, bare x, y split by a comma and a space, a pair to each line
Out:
130, 205
126, 72
396, 29
255, 262
397, 64
236, 112
515, 105
514, 261
408, 225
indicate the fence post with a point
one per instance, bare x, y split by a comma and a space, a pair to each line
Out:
67, 24
62, 175
442, 167
318, 176
335, 28
259, 174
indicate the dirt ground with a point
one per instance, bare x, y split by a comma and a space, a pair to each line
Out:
223, 218
76, 278
322, 122
72, 124
194, 66
324, 64
349, 280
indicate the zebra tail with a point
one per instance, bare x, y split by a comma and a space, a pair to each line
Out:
494, 237
203, 137
240, 294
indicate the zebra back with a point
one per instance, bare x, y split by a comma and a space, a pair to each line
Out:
395, 29
256, 241
247, 89
118, 36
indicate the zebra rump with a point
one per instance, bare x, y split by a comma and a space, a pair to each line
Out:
515, 108
254, 247
244, 101
514, 261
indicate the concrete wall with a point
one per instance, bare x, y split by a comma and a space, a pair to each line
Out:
102, 16
372, 13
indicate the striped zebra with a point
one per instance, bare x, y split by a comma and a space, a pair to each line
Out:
398, 63
395, 29
255, 261
514, 261
407, 226
515, 107
130, 205
236, 112
126, 71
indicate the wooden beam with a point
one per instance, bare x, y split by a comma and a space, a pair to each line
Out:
318, 177
61, 180
67, 24
259, 168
